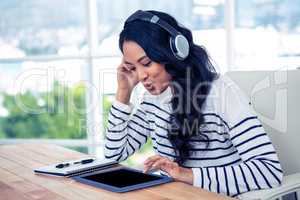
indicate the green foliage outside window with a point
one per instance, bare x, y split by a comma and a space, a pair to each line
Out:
59, 113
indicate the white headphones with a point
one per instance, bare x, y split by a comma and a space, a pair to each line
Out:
178, 42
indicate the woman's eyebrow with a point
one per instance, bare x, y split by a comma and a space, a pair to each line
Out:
127, 63
139, 60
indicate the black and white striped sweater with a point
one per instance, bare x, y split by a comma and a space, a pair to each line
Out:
239, 158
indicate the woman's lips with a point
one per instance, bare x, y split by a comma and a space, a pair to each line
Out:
148, 86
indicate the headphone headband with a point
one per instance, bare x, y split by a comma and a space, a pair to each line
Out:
149, 17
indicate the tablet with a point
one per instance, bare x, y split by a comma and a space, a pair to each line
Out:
122, 179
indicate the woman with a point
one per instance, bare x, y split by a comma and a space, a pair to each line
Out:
203, 130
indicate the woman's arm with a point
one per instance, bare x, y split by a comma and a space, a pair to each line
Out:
126, 131
259, 167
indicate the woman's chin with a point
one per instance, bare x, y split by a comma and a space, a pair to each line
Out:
156, 90
153, 91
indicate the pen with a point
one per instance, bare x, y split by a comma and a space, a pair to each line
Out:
62, 165
85, 161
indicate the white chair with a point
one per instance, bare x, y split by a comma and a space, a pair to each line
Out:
275, 96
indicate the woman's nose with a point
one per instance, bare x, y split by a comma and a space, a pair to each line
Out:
142, 74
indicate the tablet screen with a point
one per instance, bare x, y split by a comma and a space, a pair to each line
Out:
122, 178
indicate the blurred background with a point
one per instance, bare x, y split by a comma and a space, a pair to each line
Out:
58, 58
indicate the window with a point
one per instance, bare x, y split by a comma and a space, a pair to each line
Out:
43, 100
267, 34
55, 27
42, 63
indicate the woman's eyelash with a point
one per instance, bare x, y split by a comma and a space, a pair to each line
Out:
148, 63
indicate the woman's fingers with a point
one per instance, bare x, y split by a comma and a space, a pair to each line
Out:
127, 76
157, 162
172, 168
160, 164
152, 159
153, 165
123, 68
129, 67
149, 161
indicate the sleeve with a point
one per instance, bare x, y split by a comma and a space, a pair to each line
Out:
259, 168
127, 131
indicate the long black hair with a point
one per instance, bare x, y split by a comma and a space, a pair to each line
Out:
191, 78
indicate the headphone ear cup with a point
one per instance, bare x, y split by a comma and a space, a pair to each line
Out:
179, 46
173, 48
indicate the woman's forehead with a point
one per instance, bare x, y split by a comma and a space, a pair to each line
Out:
133, 52
132, 46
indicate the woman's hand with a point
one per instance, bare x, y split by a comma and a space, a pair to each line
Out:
172, 168
127, 76
127, 79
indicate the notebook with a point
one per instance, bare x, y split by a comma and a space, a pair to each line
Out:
75, 167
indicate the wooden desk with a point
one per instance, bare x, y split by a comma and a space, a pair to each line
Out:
17, 180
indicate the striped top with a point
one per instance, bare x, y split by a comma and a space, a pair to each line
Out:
240, 156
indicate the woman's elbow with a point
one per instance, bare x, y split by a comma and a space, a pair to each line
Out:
114, 154
276, 181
